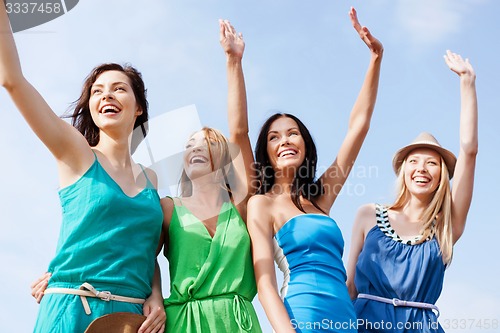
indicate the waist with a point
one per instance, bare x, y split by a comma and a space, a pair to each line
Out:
227, 296
397, 302
114, 287
88, 290
239, 305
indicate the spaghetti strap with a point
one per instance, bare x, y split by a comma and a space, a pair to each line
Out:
146, 175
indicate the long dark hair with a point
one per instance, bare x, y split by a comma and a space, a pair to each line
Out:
81, 118
304, 183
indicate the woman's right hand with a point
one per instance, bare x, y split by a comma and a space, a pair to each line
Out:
373, 43
38, 287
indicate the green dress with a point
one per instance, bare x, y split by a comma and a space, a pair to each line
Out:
212, 282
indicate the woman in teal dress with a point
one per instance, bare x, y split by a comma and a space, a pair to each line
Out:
108, 201
399, 252
206, 241
288, 219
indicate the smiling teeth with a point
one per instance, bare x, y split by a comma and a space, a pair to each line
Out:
421, 180
287, 152
110, 108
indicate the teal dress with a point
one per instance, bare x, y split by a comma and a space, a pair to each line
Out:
107, 239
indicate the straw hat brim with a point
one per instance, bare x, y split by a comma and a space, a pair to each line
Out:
448, 157
118, 322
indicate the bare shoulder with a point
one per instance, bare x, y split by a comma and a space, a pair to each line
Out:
167, 206
365, 217
366, 211
259, 202
259, 208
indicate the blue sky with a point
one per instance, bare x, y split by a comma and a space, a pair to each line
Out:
302, 57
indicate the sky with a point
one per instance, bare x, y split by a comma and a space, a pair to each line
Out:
301, 57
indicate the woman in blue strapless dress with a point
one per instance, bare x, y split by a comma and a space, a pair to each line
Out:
399, 253
288, 219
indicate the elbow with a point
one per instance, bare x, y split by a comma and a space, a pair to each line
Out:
469, 148
10, 83
351, 288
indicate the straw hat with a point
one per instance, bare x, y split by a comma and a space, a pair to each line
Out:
425, 140
118, 322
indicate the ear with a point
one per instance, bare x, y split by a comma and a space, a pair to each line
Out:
138, 112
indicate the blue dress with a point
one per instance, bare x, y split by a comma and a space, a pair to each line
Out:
308, 249
393, 269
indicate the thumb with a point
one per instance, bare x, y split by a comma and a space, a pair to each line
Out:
146, 310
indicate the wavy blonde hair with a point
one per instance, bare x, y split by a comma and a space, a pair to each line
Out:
438, 210
224, 158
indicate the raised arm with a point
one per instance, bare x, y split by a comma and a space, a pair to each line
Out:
260, 228
463, 182
234, 46
359, 122
64, 141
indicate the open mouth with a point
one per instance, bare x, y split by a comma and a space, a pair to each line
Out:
287, 152
421, 180
106, 109
197, 159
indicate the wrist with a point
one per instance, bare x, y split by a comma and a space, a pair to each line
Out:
233, 60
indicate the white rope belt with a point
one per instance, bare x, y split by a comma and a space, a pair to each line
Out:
398, 302
87, 290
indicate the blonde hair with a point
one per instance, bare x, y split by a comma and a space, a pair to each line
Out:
437, 215
215, 136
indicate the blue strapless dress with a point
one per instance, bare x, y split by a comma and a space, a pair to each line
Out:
392, 269
308, 249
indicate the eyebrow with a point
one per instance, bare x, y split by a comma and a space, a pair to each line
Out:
288, 130
113, 84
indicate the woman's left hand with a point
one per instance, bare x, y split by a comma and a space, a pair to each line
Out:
156, 317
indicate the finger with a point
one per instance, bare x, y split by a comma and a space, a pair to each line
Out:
354, 19
39, 289
45, 276
230, 27
160, 327
222, 30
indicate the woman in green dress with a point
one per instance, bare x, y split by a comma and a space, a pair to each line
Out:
205, 237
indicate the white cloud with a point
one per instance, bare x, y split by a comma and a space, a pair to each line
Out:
426, 22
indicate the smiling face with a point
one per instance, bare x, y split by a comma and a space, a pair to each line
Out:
112, 101
422, 171
202, 155
285, 145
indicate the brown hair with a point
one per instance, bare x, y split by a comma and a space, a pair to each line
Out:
81, 117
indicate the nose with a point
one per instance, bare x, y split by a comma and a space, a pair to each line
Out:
196, 148
108, 94
421, 167
284, 140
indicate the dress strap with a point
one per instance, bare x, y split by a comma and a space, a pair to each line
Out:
150, 184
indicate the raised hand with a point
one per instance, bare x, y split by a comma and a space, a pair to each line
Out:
231, 41
458, 65
373, 43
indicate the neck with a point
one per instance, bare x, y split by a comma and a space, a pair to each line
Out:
415, 208
282, 184
206, 191
117, 151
